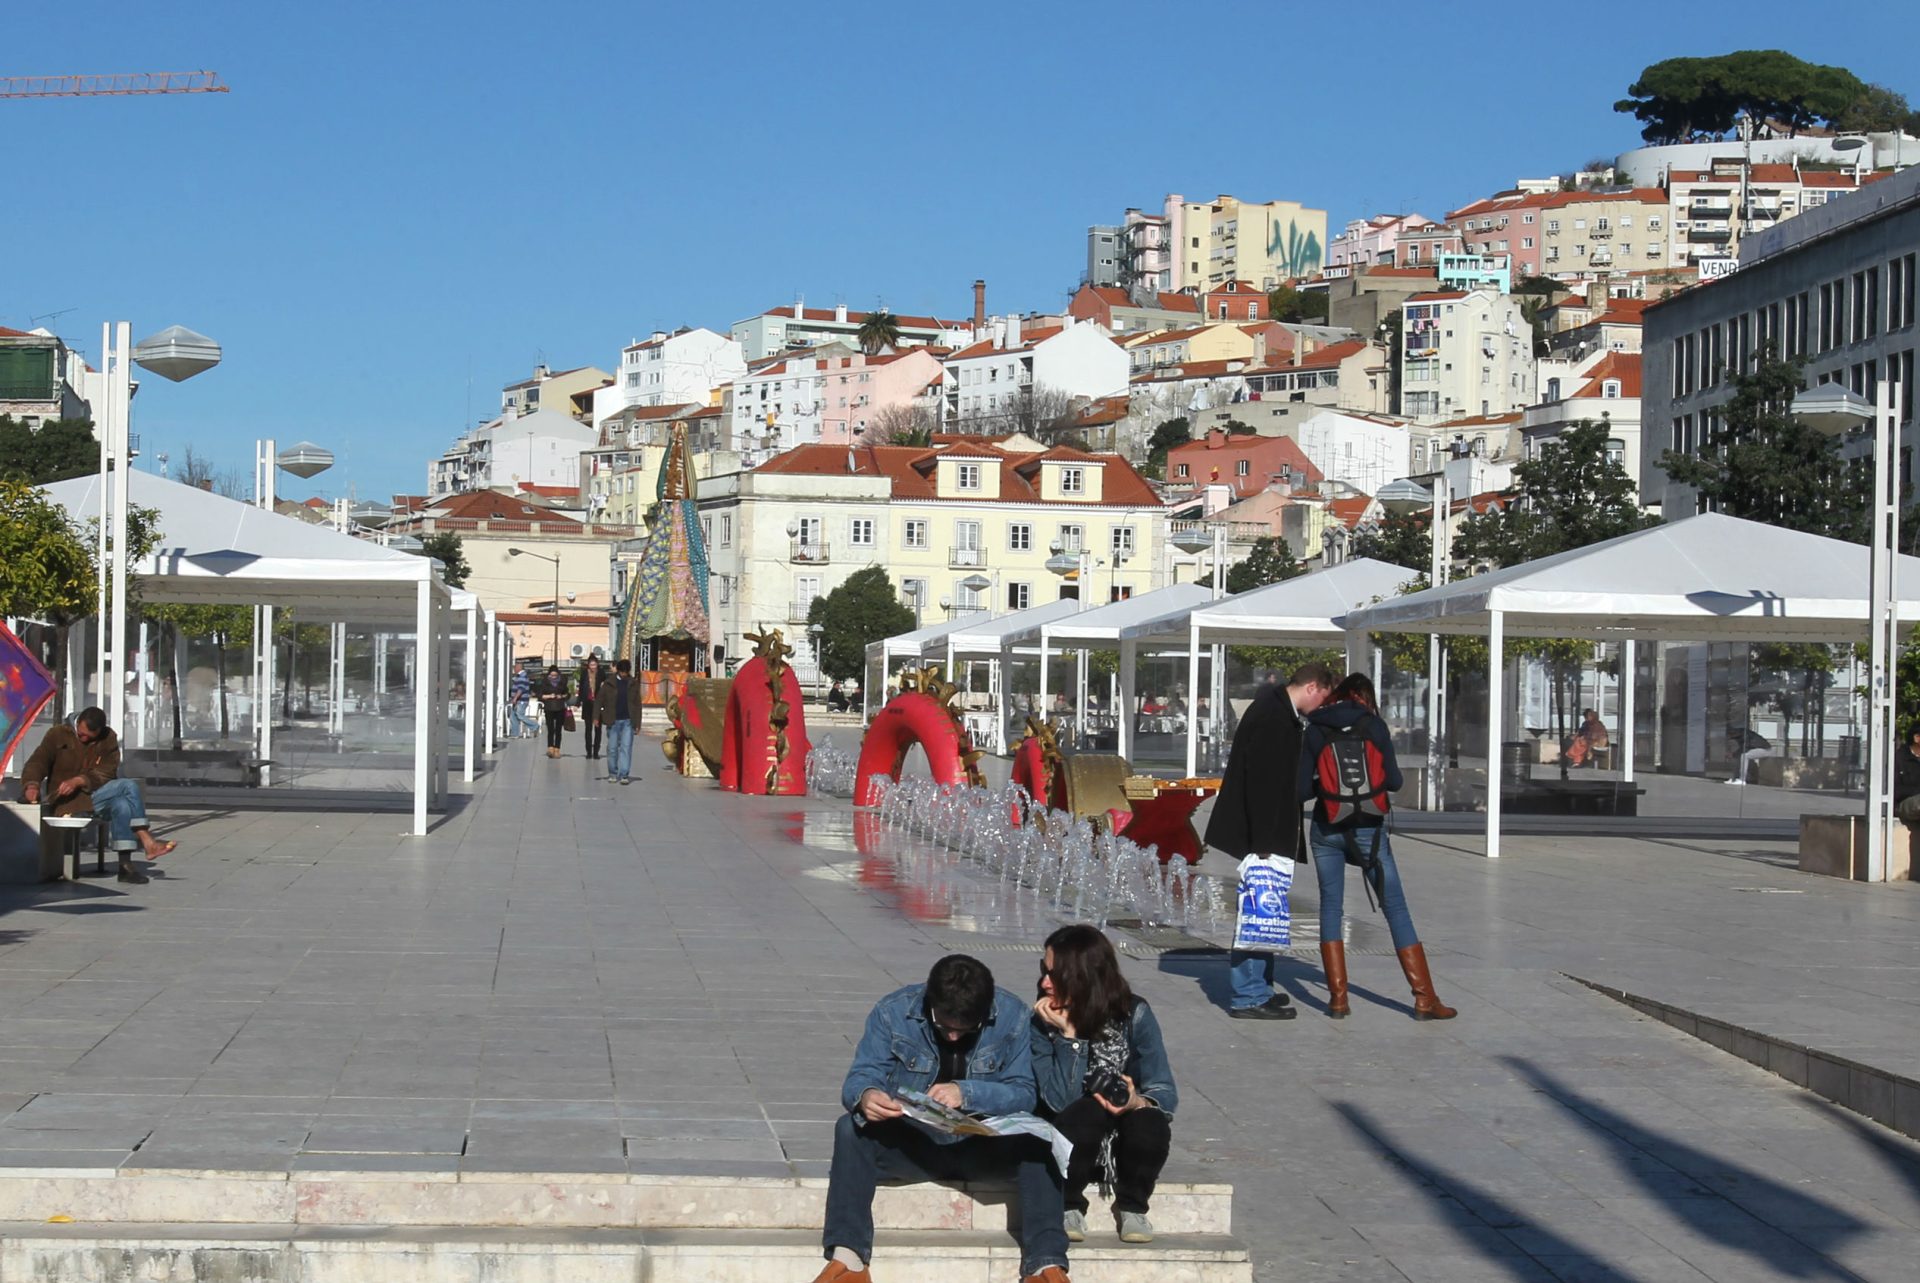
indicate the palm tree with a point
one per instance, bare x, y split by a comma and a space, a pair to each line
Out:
879, 332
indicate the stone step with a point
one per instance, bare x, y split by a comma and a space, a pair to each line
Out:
159, 1197
228, 1253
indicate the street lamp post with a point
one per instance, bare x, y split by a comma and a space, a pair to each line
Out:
522, 552
814, 632
177, 354
1832, 409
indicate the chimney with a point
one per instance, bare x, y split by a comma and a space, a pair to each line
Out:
659, 336
840, 313
799, 307
1013, 330
1000, 332
541, 371
979, 305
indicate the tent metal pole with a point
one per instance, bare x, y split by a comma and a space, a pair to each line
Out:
1080, 704
1628, 672
1126, 700
442, 685
422, 711
263, 709
1496, 700
1041, 708
1193, 699
476, 691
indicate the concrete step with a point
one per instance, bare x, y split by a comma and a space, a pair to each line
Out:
228, 1253
160, 1197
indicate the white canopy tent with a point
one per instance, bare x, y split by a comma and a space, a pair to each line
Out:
881, 654
985, 638
1705, 578
218, 551
1099, 629
1307, 610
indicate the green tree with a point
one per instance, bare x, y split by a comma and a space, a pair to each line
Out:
224, 626
1573, 494
55, 451
1165, 437
1763, 464
1286, 303
1399, 539
862, 610
1878, 109
1270, 562
46, 564
1699, 99
444, 548
879, 332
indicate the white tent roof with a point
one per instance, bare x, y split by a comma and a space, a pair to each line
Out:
982, 638
1308, 608
1100, 627
221, 551
1706, 578
910, 643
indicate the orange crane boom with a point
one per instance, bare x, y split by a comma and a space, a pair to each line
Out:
134, 82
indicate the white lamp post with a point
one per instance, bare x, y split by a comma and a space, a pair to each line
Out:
176, 354
1831, 409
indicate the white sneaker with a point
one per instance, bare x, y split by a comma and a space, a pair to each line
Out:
1135, 1228
1739, 783
1076, 1223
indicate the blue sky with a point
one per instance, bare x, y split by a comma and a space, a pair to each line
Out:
402, 206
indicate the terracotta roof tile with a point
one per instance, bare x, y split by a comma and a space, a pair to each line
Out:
985, 347
1624, 366
912, 470
856, 318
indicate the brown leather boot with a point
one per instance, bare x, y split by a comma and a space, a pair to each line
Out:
1426, 1005
1333, 961
838, 1273
1052, 1274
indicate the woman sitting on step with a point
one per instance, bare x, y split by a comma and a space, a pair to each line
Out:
1101, 1069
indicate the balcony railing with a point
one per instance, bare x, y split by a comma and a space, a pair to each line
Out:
966, 558
1710, 211
812, 551
28, 392
1717, 235
1601, 233
797, 612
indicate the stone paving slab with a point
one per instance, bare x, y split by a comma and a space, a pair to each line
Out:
583, 979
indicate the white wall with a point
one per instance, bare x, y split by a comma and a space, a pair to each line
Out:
1360, 452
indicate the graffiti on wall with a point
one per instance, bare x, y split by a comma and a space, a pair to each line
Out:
1294, 253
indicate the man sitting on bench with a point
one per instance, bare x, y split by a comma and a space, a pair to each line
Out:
78, 768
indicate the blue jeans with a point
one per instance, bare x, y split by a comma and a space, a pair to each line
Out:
523, 725
620, 749
1252, 978
118, 804
866, 1154
1330, 865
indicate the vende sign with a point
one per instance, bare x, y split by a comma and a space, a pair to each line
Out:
1712, 269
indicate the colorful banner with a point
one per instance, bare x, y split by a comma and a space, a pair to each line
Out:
25, 688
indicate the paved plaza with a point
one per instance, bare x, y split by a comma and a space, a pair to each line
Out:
568, 976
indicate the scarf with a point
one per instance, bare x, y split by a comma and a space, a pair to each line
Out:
1108, 1053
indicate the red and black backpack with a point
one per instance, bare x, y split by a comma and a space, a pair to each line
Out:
1351, 773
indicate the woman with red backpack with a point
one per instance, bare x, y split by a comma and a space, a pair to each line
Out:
1347, 766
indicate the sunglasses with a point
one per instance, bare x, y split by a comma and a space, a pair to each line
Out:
959, 1031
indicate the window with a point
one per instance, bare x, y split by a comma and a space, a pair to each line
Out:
1179, 469
860, 532
1020, 537
914, 592
1626, 220
1526, 242
1242, 467
1073, 538
1553, 226
1601, 224
1653, 222
968, 476
1579, 224
1019, 596
726, 530
805, 589
916, 534
1073, 481
1122, 541
1610, 388
1526, 218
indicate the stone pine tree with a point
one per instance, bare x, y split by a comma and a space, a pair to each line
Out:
444, 548
862, 610
1270, 561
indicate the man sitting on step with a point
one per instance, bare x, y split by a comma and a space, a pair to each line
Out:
79, 766
966, 1044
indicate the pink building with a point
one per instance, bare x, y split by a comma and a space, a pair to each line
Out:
1370, 241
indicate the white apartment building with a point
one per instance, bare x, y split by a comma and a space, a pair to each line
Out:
542, 449
827, 393
799, 326
1359, 451
1465, 352
1602, 388
670, 369
997, 376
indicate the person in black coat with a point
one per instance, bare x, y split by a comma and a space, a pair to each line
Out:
1258, 811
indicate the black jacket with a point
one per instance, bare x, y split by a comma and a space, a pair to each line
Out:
1258, 810
1339, 717
1906, 774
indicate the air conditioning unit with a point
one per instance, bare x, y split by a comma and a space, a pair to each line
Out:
579, 651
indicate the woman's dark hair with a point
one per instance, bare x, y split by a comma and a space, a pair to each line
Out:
1087, 979
960, 988
1357, 688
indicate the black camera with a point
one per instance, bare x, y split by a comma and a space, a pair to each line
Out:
1110, 1087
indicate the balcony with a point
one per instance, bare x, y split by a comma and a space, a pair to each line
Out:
810, 551
1712, 235
797, 612
1711, 211
1601, 233
966, 558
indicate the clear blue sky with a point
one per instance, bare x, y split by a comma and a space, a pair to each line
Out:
402, 206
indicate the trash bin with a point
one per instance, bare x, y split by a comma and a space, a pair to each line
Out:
1516, 762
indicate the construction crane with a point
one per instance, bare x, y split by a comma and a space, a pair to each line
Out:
112, 85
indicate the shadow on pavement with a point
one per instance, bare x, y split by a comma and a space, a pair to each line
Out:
1900, 1155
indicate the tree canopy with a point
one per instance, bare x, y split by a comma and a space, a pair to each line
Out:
1289, 304
879, 332
55, 451
444, 548
1763, 464
1574, 493
1165, 437
864, 609
1399, 539
1270, 562
46, 566
1699, 99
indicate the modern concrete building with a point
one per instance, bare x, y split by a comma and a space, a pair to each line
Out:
997, 382
672, 369
798, 326
539, 449
1104, 254
1224, 239
1710, 218
568, 392
1463, 353
1834, 287
41, 378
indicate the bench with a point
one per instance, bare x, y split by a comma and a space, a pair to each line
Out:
34, 847
1835, 846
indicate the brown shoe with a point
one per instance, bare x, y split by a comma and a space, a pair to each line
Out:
1333, 961
838, 1273
1052, 1274
1426, 1004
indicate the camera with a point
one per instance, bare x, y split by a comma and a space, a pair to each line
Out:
1110, 1087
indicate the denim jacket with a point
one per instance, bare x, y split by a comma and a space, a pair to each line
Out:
897, 1052
1060, 1063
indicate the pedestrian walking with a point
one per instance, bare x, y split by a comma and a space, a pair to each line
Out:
1349, 768
520, 702
553, 696
588, 689
1258, 813
1100, 1069
613, 709
76, 769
